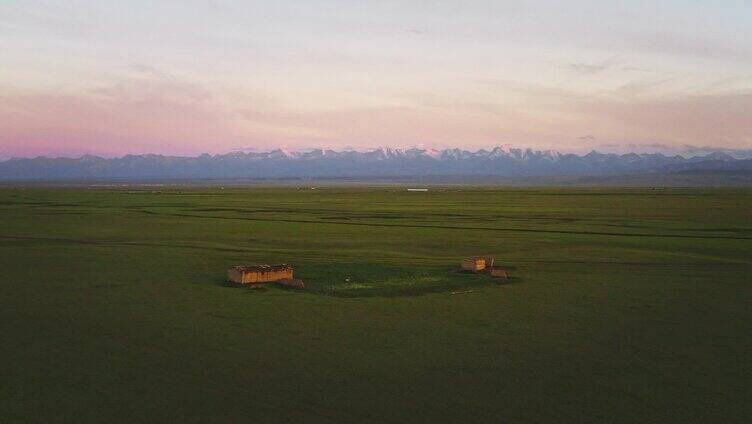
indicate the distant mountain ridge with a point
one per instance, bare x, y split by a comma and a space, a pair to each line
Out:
382, 162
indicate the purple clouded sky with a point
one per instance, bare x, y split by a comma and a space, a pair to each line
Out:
186, 77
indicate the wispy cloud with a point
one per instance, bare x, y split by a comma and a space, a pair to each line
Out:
721, 120
682, 44
137, 115
644, 85
583, 68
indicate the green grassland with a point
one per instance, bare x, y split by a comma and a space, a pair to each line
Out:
627, 305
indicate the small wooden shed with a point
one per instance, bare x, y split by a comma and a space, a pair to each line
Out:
259, 274
499, 272
291, 283
474, 264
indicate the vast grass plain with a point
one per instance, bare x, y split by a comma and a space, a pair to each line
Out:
627, 305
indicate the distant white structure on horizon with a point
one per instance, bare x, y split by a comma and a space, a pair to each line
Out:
417, 189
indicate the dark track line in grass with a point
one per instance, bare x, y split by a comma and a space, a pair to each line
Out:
123, 243
699, 265
236, 250
449, 227
227, 317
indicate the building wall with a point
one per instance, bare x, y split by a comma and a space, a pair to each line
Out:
251, 277
499, 272
234, 276
474, 264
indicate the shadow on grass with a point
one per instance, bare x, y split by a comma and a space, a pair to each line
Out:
507, 281
255, 288
448, 285
406, 292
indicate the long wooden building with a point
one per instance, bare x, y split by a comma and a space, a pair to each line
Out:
258, 274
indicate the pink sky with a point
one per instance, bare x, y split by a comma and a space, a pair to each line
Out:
111, 80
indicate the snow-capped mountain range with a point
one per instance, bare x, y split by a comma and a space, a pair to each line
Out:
381, 162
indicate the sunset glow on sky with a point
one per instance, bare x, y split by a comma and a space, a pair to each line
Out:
187, 77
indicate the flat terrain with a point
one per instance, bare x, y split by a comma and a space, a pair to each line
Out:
628, 305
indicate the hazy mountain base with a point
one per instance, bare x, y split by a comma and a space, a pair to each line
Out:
675, 179
413, 165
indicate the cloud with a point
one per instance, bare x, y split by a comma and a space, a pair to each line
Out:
582, 68
644, 86
665, 42
150, 110
144, 114
724, 120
